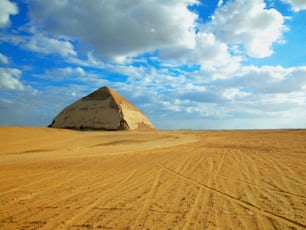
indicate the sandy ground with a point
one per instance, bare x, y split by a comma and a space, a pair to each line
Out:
62, 179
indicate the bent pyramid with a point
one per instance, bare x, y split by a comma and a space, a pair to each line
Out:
103, 109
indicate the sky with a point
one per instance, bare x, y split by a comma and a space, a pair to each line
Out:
187, 64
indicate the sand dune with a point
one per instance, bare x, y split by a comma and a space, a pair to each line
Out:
65, 179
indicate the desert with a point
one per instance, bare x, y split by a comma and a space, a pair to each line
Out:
153, 114
66, 179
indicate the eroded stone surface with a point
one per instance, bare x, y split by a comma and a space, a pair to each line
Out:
104, 109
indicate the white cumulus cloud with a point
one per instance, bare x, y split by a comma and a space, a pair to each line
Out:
117, 29
6, 9
234, 93
3, 59
39, 42
297, 5
67, 73
9, 79
248, 23
48, 45
212, 54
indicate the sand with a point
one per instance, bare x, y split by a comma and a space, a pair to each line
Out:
63, 179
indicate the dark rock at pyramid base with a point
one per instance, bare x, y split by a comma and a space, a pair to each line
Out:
104, 109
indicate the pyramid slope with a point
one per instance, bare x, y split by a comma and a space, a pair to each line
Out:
103, 109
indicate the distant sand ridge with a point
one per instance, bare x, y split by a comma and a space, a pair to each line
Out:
104, 109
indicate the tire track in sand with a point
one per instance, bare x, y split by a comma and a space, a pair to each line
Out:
143, 214
202, 197
38, 181
80, 216
220, 165
242, 203
253, 185
192, 214
47, 188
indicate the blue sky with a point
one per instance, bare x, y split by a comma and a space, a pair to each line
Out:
187, 64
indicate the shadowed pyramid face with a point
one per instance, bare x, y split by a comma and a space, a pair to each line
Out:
103, 109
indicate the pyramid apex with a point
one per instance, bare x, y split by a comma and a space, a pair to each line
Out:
105, 87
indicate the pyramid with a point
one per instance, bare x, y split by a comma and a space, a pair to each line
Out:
103, 109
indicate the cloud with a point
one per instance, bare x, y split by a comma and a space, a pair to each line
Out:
6, 9
248, 23
270, 79
32, 107
76, 76
252, 92
234, 93
212, 54
156, 55
297, 5
4, 59
117, 29
47, 45
9, 79
248, 91
64, 74
258, 97
39, 42
220, 3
